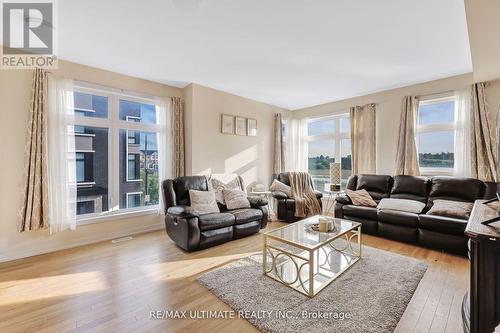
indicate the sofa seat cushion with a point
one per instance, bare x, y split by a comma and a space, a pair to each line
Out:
442, 224
397, 217
215, 220
368, 213
245, 215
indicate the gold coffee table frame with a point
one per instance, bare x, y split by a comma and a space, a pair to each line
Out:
308, 261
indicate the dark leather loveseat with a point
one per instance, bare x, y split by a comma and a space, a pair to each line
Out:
286, 205
192, 231
438, 232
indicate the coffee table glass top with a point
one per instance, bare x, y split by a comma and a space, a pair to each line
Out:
297, 233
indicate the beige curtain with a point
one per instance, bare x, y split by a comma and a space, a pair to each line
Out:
406, 154
363, 139
483, 164
177, 108
279, 157
34, 211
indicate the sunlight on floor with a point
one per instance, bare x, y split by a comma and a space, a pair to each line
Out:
165, 271
27, 290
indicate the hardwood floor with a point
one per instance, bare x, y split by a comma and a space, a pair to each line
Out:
109, 287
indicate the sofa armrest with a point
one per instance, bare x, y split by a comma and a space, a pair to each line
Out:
279, 195
257, 201
182, 212
318, 194
343, 199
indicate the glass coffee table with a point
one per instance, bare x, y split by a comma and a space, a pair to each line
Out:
308, 260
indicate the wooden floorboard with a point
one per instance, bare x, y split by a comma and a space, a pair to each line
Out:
107, 287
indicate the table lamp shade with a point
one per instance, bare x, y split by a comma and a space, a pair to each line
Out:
335, 173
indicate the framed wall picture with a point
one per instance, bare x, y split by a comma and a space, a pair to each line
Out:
251, 127
227, 124
241, 126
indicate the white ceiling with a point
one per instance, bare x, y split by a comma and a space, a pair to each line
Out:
290, 53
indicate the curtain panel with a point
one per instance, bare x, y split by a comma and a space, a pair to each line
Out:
61, 155
279, 158
296, 155
34, 210
406, 154
482, 138
179, 162
164, 145
363, 139
462, 165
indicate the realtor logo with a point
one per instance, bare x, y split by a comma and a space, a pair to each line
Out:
28, 34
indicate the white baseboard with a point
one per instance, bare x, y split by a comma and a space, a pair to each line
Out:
119, 233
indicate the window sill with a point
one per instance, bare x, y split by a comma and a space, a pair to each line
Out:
117, 215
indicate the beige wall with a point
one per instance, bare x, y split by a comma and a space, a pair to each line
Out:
209, 151
15, 90
388, 112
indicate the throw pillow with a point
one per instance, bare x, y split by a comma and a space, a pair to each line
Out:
203, 201
449, 208
403, 205
277, 186
221, 181
235, 199
361, 198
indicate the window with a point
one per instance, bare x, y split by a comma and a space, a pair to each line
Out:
116, 151
134, 199
328, 142
436, 135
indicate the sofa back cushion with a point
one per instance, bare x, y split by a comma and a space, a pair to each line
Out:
410, 187
455, 188
182, 185
351, 182
378, 186
490, 190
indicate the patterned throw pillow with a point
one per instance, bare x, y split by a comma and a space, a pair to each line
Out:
203, 201
277, 186
361, 198
449, 208
235, 199
220, 182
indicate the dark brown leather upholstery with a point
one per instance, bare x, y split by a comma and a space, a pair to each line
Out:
286, 205
378, 186
440, 232
193, 231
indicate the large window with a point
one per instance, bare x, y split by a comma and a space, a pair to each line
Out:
328, 142
116, 152
436, 135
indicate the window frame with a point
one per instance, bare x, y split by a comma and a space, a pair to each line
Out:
337, 136
114, 124
438, 127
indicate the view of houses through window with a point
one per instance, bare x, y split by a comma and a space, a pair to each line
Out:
116, 152
329, 141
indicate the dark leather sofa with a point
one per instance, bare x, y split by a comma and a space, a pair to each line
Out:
286, 205
438, 232
192, 231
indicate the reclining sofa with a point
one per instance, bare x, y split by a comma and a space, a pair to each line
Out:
438, 232
192, 231
286, 205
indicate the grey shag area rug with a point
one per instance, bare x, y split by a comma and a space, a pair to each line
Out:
374, 292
